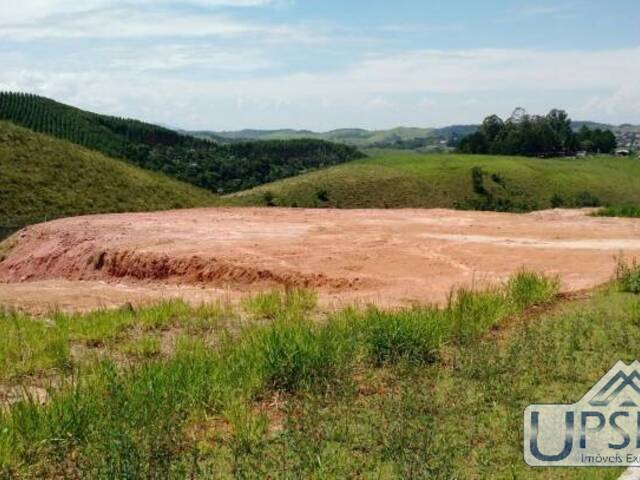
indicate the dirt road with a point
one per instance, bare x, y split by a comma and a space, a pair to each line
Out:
389, 257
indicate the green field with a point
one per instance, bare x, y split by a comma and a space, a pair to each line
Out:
275, 388
403, 180
45, 178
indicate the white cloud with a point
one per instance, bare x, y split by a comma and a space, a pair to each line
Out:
381, 91
458, 72
540, 10
30, 10
529, 11
122, 23
177, 57
623, 101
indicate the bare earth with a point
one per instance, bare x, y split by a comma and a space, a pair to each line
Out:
388, 257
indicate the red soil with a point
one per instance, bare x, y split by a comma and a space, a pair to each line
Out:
389, 257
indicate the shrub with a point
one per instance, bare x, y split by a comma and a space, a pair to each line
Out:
557, 201
586, 199
628, 276
269, 198
499, 179
477, 180
322, 195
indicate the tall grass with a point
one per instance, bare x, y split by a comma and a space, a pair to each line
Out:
628, 276
631, 211
29, 346
416, 335
39, 346
130, 422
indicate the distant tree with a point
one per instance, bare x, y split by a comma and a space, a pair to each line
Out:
596, 141
475, 143
560, 124
523, 134
518, 115
492, 127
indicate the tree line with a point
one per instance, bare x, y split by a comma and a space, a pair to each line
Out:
535, 135
217, 167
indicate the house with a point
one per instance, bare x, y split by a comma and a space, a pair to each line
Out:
623, 152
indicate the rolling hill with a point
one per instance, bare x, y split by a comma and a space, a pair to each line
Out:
44, 178
425, 139
204, 163
401, 137
406, 180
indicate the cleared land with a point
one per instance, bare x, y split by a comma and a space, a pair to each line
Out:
388, 257
411, 180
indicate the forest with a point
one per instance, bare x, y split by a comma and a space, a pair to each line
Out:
534, 135
216, 166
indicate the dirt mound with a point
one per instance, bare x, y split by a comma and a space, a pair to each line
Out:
384, 256
149, 266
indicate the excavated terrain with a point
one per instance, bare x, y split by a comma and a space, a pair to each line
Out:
388, 257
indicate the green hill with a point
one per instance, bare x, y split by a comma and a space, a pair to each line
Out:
400, 180
420, 139
400, 137
43, 178
205, 163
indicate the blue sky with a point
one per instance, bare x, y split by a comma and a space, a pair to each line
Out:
323, 64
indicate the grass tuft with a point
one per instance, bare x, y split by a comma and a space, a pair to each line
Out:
628, 276
630, 211
277, 303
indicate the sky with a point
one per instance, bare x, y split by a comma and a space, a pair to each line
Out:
325, 64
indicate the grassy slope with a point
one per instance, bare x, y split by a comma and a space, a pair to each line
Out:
43, 178
414, 180
206, 164
415, 393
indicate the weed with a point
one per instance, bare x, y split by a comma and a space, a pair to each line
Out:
271, 305
30, 346
142, 348
411, 335
628, 276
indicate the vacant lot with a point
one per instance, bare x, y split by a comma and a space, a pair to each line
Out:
389, 257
